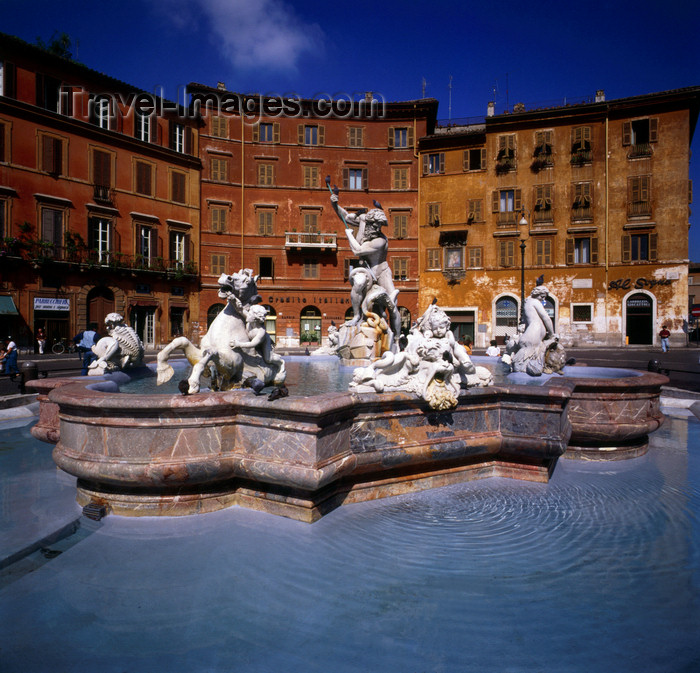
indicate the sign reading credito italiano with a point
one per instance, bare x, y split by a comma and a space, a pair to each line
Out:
639, 284
51, 304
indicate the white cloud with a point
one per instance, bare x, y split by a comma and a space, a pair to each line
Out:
261, 34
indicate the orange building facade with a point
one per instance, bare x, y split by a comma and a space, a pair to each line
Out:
593, 197
266, 204
99, 202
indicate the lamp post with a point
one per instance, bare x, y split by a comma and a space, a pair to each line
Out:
523, 222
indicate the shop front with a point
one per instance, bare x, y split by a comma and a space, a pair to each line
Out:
53, 315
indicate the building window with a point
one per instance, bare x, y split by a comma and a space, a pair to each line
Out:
400, 137
400, 268
354, 178
48, 92
219, 170
266, 267
507, 203
218, 219
475, 255
178, 187
454, 258
219, 127
266, 222
102, 175
177, 137
639, 196
99, 238
310, 176
475, 210
399, 178
639, 247
506, 253
142, 127
51, 155
581, 145
543, 251
581, 207
266, 132
542, 212
544, 142
582, 250
474, 159
177, 321
639, 134
3, 132
433, 214
52, 227
310, 221
8, 79
505, 158
434, 164
179, 249
349, 264
400, 225
146, 243
218, 264
311, 268
266, 175
433, 259
311, 134
101, 112
582, 312
355, 136
144, 178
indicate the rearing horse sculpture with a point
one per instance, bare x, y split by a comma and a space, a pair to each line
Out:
219, 357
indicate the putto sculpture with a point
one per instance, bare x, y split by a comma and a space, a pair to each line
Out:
236, 347
535, 350
332, 347
375, 326
433, 365
120, 349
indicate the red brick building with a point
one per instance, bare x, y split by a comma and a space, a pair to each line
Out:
99, 201
265, 202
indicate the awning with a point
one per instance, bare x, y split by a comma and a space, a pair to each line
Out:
146, 303
7, 306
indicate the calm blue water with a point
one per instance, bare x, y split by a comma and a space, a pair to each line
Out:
597, 571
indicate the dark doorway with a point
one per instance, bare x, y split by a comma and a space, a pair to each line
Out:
640, 320
100, 302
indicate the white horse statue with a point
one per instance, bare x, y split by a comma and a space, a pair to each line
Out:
234, 348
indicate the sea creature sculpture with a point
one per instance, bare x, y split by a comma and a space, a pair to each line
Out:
120, 349
235, 347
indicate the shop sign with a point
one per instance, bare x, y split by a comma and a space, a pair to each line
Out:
639, 284
51, 304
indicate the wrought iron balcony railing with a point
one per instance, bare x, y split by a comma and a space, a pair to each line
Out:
639, 209
641, 150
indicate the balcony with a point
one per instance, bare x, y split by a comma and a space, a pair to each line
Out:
505, 165
103, 194
639, 209
581, 157
639, 151
582, 214
309, 240
507, 218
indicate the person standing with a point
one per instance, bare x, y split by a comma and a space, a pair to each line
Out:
41, 340
11, 357
664, 334
493, 350
85, 340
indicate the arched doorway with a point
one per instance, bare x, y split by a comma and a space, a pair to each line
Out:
506, 322
212, 312
100, 302
405, 319
310, 325
639, 326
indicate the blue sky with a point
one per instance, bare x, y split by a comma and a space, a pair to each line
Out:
544, 52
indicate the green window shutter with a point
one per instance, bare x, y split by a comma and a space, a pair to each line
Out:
594, 249
569, 251
653, 246
654, 130
627, 133
626, 247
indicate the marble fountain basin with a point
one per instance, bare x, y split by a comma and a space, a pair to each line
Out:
301, 457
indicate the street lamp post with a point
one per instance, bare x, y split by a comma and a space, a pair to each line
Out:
523, 222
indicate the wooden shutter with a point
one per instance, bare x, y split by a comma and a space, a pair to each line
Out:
569, 251
483, 158
256, 132
654, 130
2, 145
653, 246
426, 164
390, 141
409, 136
442, 162
627, 133
517, 200
178, 187
644, 188
365, 183
101, 168
626, 247
465, 160
189, 140
346, 178
594, 249
276, 132
10, 85
300, 134
495, 200
634, 190
321, 135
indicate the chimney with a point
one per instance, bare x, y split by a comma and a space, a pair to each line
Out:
369, 96
221, 86
600, 96
491, 109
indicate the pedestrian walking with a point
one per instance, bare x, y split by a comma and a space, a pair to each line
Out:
11, 357
664, 334
41, 340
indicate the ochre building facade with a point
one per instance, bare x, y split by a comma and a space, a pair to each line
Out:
594, 198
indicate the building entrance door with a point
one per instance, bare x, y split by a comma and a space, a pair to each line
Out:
640, 320
100, 302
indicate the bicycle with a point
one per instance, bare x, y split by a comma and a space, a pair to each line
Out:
61, 346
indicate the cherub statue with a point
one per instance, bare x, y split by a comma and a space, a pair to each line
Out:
258, 338
122, 348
